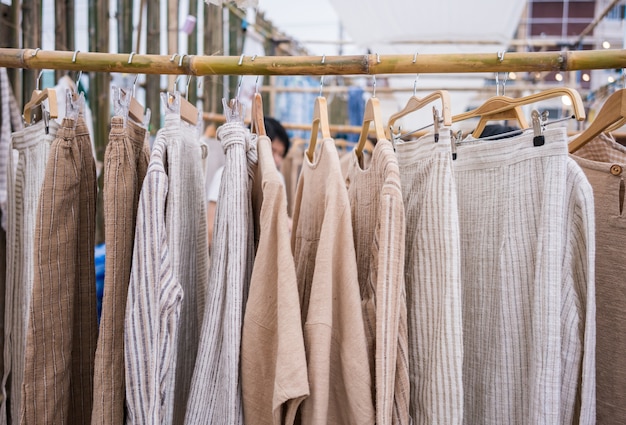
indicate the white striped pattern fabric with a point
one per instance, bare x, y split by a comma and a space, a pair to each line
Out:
215, 397
527, 243
379, 230
186, 226
10, 121
153, 305
33, 146
433, 280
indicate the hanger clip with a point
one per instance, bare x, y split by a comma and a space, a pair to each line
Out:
436, 121
456, 138
538, 123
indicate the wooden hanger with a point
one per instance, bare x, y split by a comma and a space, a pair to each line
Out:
372, 115
613, 112
37, 97
257, 121
319, 123
188, 112
415, 103
504, 107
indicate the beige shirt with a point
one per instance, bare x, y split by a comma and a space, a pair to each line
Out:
379, 229
604, 161
334, 334
273, 361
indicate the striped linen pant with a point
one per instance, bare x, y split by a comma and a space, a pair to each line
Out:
33, 146
527, 242
153, 305
433, 280
215, 395
125, 164
62, 324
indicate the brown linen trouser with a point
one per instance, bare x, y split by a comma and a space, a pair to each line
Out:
61, 337
125, 164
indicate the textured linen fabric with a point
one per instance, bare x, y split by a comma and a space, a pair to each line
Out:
215, 395
433, 280
334, 332
526, 218
62, 324
10, 121
290, 169
32, 146
273, 361
604, 162
379, 230
124, 153
153, 304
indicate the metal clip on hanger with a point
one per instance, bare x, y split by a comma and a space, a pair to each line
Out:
320, 119
372, 115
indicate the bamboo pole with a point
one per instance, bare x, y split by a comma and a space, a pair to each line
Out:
312, 65
16, 74
213, 45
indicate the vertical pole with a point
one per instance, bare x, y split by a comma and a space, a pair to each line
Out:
16, 75
213, 45
31, 39
153, 46
172, 34
192, 48
60, 32
124, 26
99, 96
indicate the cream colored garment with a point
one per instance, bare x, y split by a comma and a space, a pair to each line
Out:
604, 162
273, 362
334, 334
379, 229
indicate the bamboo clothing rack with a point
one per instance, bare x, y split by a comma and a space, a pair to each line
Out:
372, 64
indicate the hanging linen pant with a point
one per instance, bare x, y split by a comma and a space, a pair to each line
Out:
153, 305
604, 160
32, 145
273, 361
527, 242
62, 324
125, 164
334, 332
433, 280
379, 230
215, 395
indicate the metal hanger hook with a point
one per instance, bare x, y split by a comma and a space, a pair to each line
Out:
417, 76
74, 57
240, 60
135, 84
256, 84
39, 78
176, 82
187, 87
35, 52
501, 55
180, 62
80, 74
374, 84
130, 57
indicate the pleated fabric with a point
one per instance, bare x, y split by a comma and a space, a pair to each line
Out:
273, 361
526, 217
216, 395
379, 230
603, 161
433, 280
125, 163
334, 332
62, 324
32, 146
153, 304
